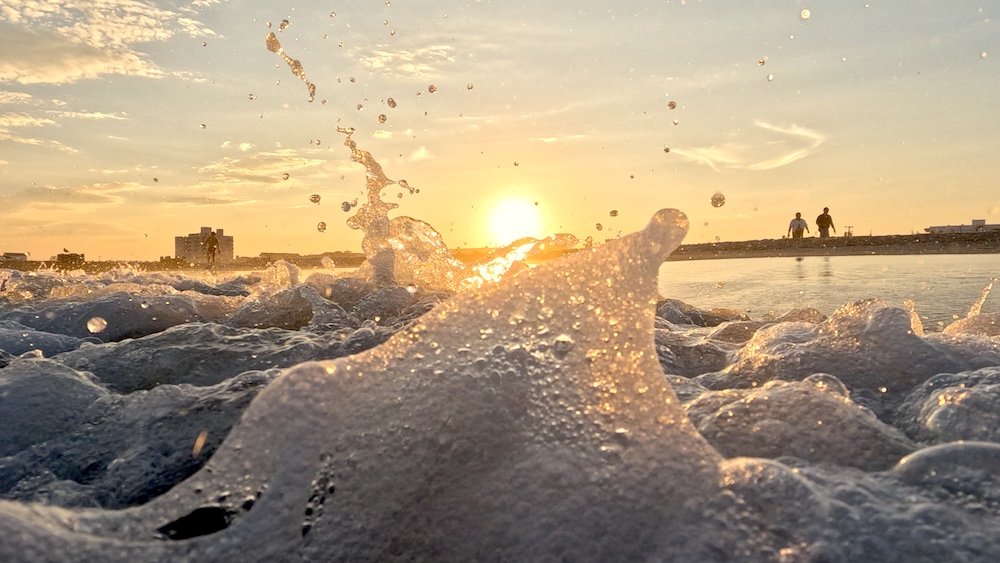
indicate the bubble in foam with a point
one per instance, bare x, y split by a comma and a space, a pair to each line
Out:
96, 325
718, 199
314, 198
321, 227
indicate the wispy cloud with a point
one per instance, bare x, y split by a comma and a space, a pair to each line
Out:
422, 63
59, 42
769, 146
420, 154
74, 199
261, 168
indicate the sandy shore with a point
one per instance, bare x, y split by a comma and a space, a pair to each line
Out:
970, 243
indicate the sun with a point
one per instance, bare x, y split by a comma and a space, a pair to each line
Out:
513, 219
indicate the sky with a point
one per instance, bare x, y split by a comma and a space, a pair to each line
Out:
126, 123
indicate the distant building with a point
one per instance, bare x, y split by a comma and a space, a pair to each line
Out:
977, 226
191, 248
16, 256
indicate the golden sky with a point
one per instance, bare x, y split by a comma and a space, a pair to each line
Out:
123, 125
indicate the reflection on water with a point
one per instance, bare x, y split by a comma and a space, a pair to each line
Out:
942, 287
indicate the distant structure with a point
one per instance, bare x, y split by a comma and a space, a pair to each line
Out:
977, 226
191, 248
15, 256
70, 260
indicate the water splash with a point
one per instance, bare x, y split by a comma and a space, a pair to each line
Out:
977, 307
273, 45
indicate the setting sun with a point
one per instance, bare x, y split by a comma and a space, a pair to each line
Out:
513, 219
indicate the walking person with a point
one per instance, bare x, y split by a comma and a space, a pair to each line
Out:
797, 226
211, 248
824, 222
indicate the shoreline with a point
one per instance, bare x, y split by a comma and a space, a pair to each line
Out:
887, 245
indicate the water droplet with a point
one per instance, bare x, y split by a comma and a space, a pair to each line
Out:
675, 122
360, 107
720, 285
382, 118
392, 33
96, 324
804, 14
672, 105
666, 149
599, 227
314, 198
983, 54
204, 44
202, 125
432, 88
515, 163
391, 102
399, 195
346, 206
321, 227
284, 25
385, 22
156, 179
269, 25
469, 86
760, 62
613, 213
333, 14
770, 77
285, 176
718, 200
404, 184
251, 97
717, 239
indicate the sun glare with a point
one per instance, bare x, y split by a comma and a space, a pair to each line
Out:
513, 219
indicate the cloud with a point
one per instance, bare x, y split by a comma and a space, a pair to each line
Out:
14, 98
558, 138
60, 42
768, 147
203, 200
422, 63
75, 199
245, 146
420, 154
261, 168
87, 115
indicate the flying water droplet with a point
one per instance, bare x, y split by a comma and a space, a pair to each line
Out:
672, 105
382, 118
346, 206
96, 325
321, 227
613, 213
391, 102
314, 198
666, 149
718, 200
760, 62
599, 227
432, 88
770, 77
284, 25
251, 97
804, 14
285, 176
469, 86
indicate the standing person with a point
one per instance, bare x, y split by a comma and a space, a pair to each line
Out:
797, 226
825, 223
211, 247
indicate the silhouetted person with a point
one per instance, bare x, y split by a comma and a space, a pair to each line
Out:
797, 226
211, 248
824, 222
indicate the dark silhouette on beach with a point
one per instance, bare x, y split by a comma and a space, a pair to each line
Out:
211, 248
824, 222
798, 226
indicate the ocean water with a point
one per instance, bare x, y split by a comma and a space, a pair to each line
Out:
422, 410
941, 287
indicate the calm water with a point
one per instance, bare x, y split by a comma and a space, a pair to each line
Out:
943, 287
